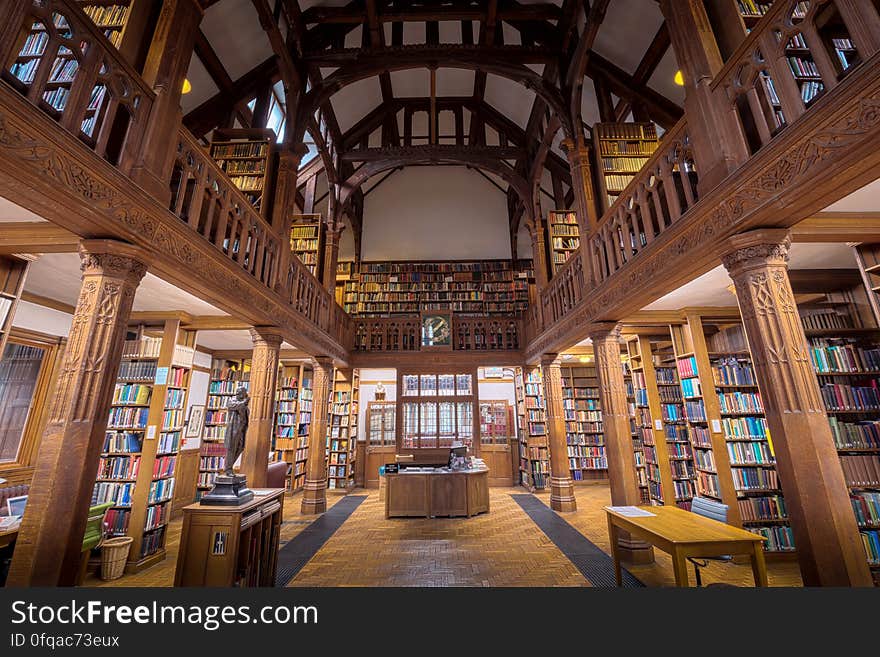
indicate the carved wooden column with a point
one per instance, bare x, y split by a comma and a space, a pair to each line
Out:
331, 254
165, 69
261, 407
618, 441
539, 252
284, 206
582, 183
561, 486
718, 146
828, 545
49, 544
315, 487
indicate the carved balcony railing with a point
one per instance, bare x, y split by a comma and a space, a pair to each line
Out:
796, 54
64, 65
396, 334
205, 198
565, 290
663, 190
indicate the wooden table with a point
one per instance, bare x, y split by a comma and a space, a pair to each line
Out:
436, 493
8, 536
683, 534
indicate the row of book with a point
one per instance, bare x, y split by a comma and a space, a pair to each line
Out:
570, 404
119, 467
586, 451
57, 98
172, 419
582, 416
137, 370
247, 183
164, 466
844, 397
339, 446
106, 15
597, 463
752, 8
778, 538
224, 387
750, 453
116, 521
666, 375
844, 358
608, 148
871, 541
732, 372
708, 484
855, 435
687, 367
215, 463
679, 450
820, 319
699, 437
157, 515
866, 506
121, 442
568, 243
681, 469
756, 509
684, 490
161, 491
128, 418
705, 460
695, 411
802, 67
624, 164
584, 392
232, 167
206, 479
744, 428
250, 149
810, 89
755, 478
175, 398
286, 406
118, 494
860, 470
145, 348
152, 542
169, 442
740, 402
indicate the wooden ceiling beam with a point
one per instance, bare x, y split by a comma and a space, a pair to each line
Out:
662, 110
378, 154
510, 54
335, 15
36, 237
211, 61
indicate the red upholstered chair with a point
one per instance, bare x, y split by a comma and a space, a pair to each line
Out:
277, 476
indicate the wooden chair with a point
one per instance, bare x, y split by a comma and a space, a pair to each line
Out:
93, 536
716, 511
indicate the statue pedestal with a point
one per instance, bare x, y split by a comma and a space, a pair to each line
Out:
229, 490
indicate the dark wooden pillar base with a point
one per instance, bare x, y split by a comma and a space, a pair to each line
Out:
562, 494
314, 496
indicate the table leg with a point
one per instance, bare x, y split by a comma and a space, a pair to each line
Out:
759, 566
612, 536
679, 567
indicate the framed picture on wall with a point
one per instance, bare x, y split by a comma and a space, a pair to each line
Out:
195, 423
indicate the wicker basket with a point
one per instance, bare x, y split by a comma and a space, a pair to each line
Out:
114, 554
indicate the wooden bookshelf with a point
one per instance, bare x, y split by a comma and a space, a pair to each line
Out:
245, 154
226, 376
340, 439
12, 276
307, 241
534, 466
621, 150
304, 421
638, 446
584, 432
564, 235
143, 438
844, 342
346, 284
479, 287
649, 421
284, 439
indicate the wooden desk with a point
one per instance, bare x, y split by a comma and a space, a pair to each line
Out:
437, 493
231, 545
683, 534
8, 536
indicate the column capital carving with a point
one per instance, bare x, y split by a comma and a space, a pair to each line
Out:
756, 248
111, 258
290, 158
324, 362
269, 336
604, 331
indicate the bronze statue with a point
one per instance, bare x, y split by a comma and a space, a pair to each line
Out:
236, 427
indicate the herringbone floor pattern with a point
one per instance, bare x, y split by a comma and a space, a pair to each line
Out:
502, 548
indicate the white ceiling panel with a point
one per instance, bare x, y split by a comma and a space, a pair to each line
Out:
455, 82
867, 199
627, 31
355, 38
413, 33
450, 32
203, 86
589, 104
233, 30
11, 212
57, 276
511, 34
411, 83
355, 101
511, 99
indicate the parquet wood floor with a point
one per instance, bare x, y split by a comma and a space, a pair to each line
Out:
502, 548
